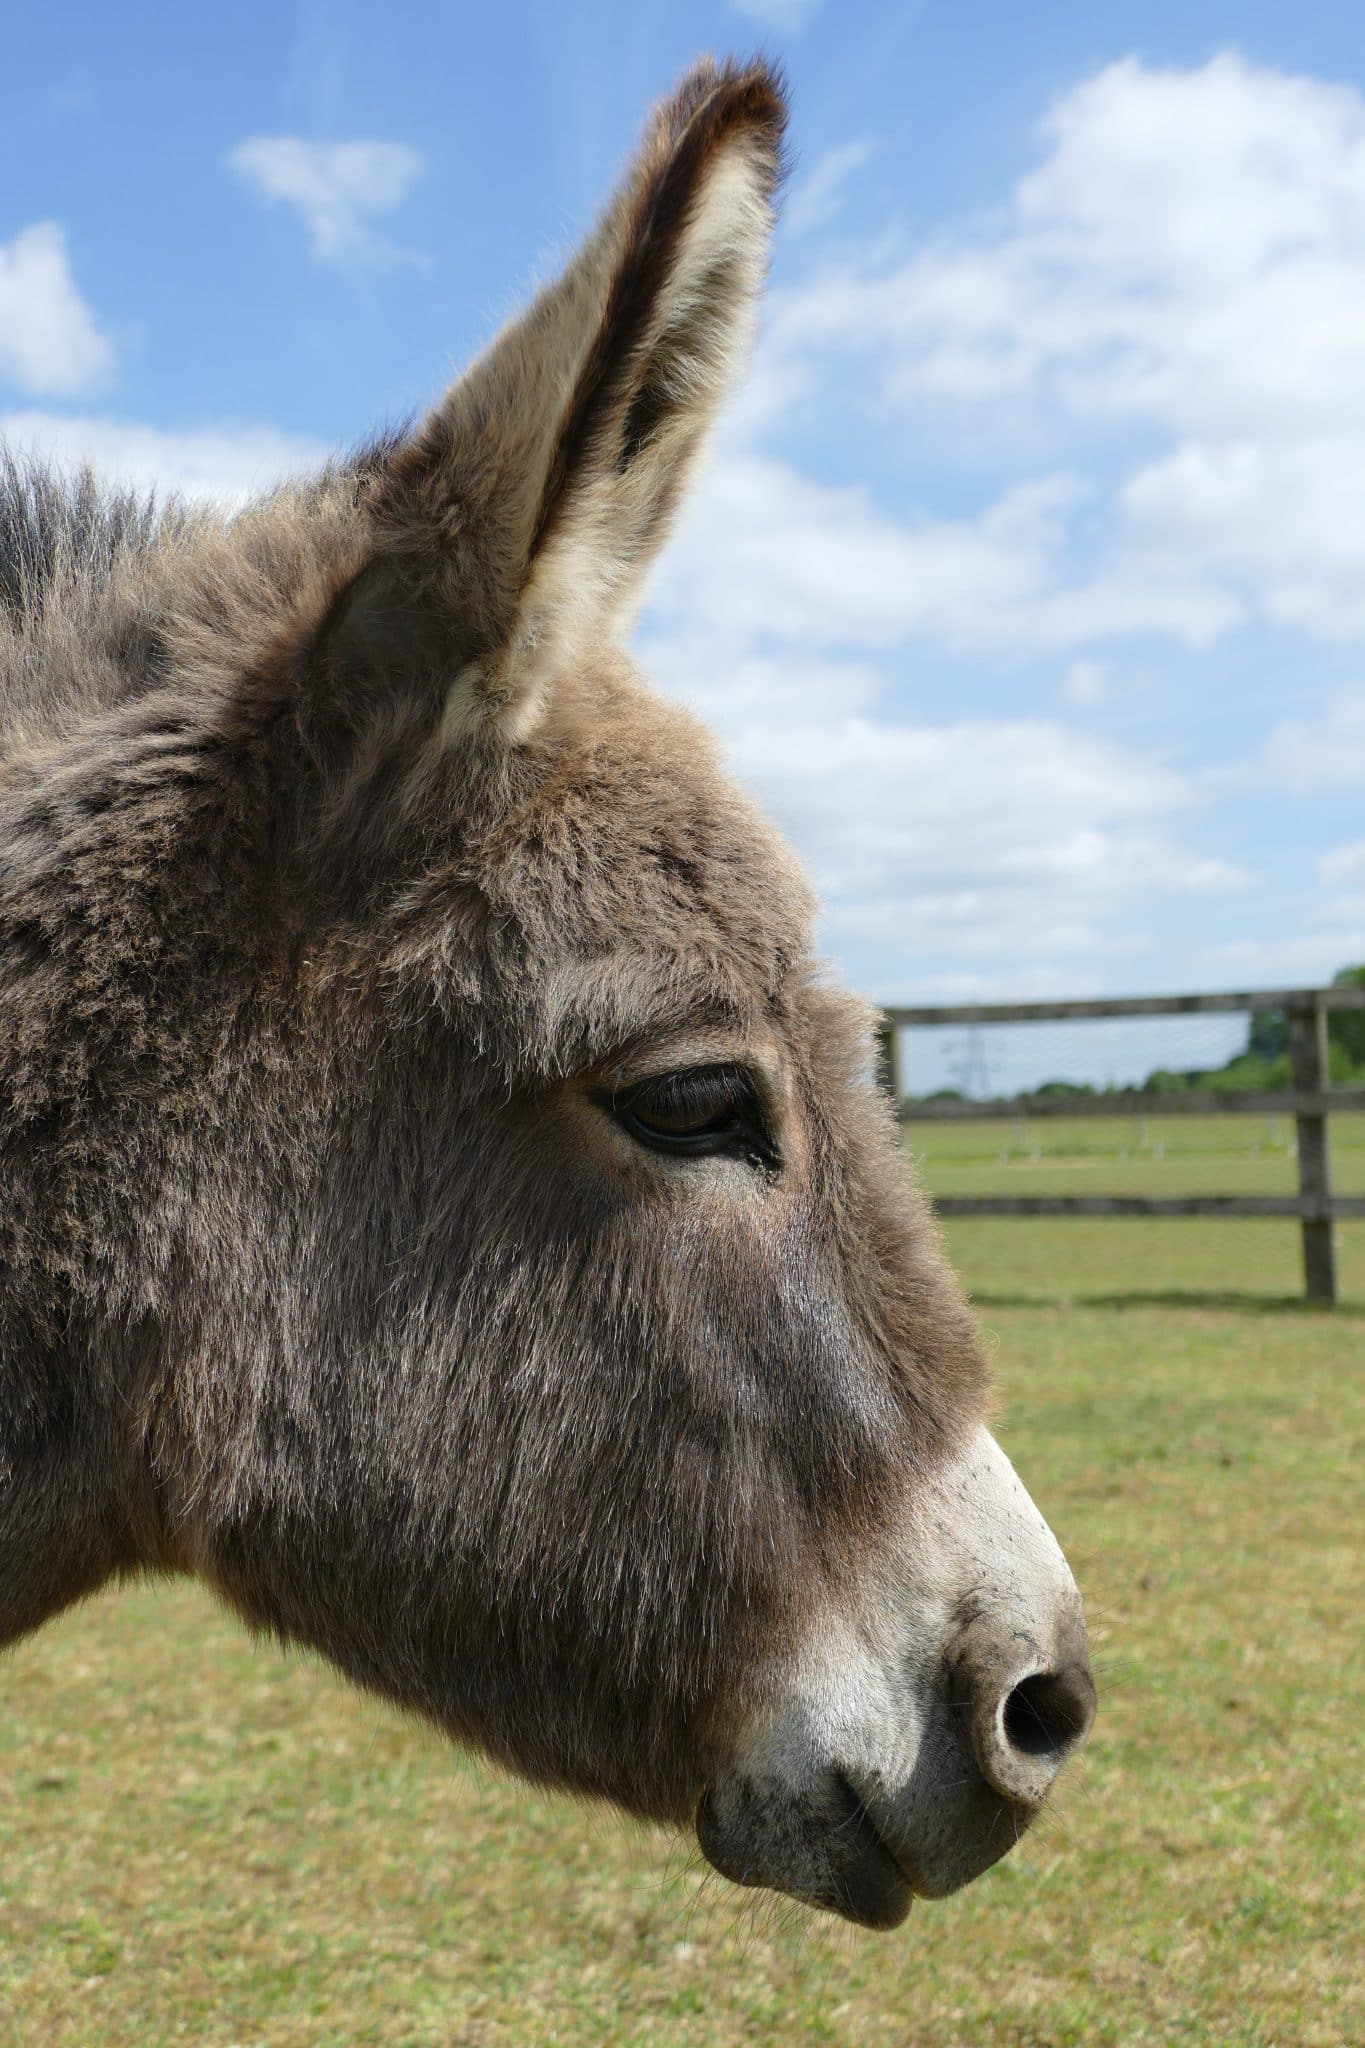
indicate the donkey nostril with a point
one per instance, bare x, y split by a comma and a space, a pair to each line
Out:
1022, 1725
1048, 1713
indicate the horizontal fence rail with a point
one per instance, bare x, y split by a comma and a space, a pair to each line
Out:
1136, 1102
1310, 1101
1150, 1205
1227, 1003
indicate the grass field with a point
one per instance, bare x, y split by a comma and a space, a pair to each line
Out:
206, 1843
1172, 1155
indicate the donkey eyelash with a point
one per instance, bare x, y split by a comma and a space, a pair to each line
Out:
693, 1091
696, 1111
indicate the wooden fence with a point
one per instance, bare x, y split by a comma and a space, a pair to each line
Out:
1310, 1101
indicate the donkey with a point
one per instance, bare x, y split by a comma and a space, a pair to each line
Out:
442, 1205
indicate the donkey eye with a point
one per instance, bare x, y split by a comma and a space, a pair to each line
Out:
697, 1110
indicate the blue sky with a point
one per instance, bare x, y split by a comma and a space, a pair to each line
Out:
1026, 582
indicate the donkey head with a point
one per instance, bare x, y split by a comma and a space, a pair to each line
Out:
567, 1354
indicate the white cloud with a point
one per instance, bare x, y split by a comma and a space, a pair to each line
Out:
1016, 840
221, 462
1187, 262
1344, 866
1327, 752
762, 549
1307, 961
338, 188
1171, 307
1190, 249
1013, 806
1188, 259
1086, 682
789, 15
1285, 521
818, 196
50, 344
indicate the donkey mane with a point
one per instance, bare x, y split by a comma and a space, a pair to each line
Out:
88, 569
55, 524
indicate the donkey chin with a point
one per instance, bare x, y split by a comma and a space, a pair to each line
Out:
908, 1750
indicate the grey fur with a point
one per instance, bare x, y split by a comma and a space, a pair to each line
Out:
335, 899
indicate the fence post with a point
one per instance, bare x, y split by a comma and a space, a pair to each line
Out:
1311, 1072
889, 1061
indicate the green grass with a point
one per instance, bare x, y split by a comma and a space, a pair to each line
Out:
204, 1842
1173, 1155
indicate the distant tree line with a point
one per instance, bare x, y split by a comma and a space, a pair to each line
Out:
1264, 1061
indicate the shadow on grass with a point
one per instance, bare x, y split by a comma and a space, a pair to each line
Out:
1227, 1302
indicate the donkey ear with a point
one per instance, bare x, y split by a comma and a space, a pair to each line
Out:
522, 516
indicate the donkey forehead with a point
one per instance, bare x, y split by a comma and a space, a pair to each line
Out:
626, 890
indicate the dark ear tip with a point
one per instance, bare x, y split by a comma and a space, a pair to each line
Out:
730, 98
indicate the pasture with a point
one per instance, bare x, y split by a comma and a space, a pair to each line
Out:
205, 1842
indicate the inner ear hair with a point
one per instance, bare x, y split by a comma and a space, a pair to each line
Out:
517, 524
692, 235
381, 656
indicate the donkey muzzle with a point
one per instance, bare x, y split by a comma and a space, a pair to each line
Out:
915, 1740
